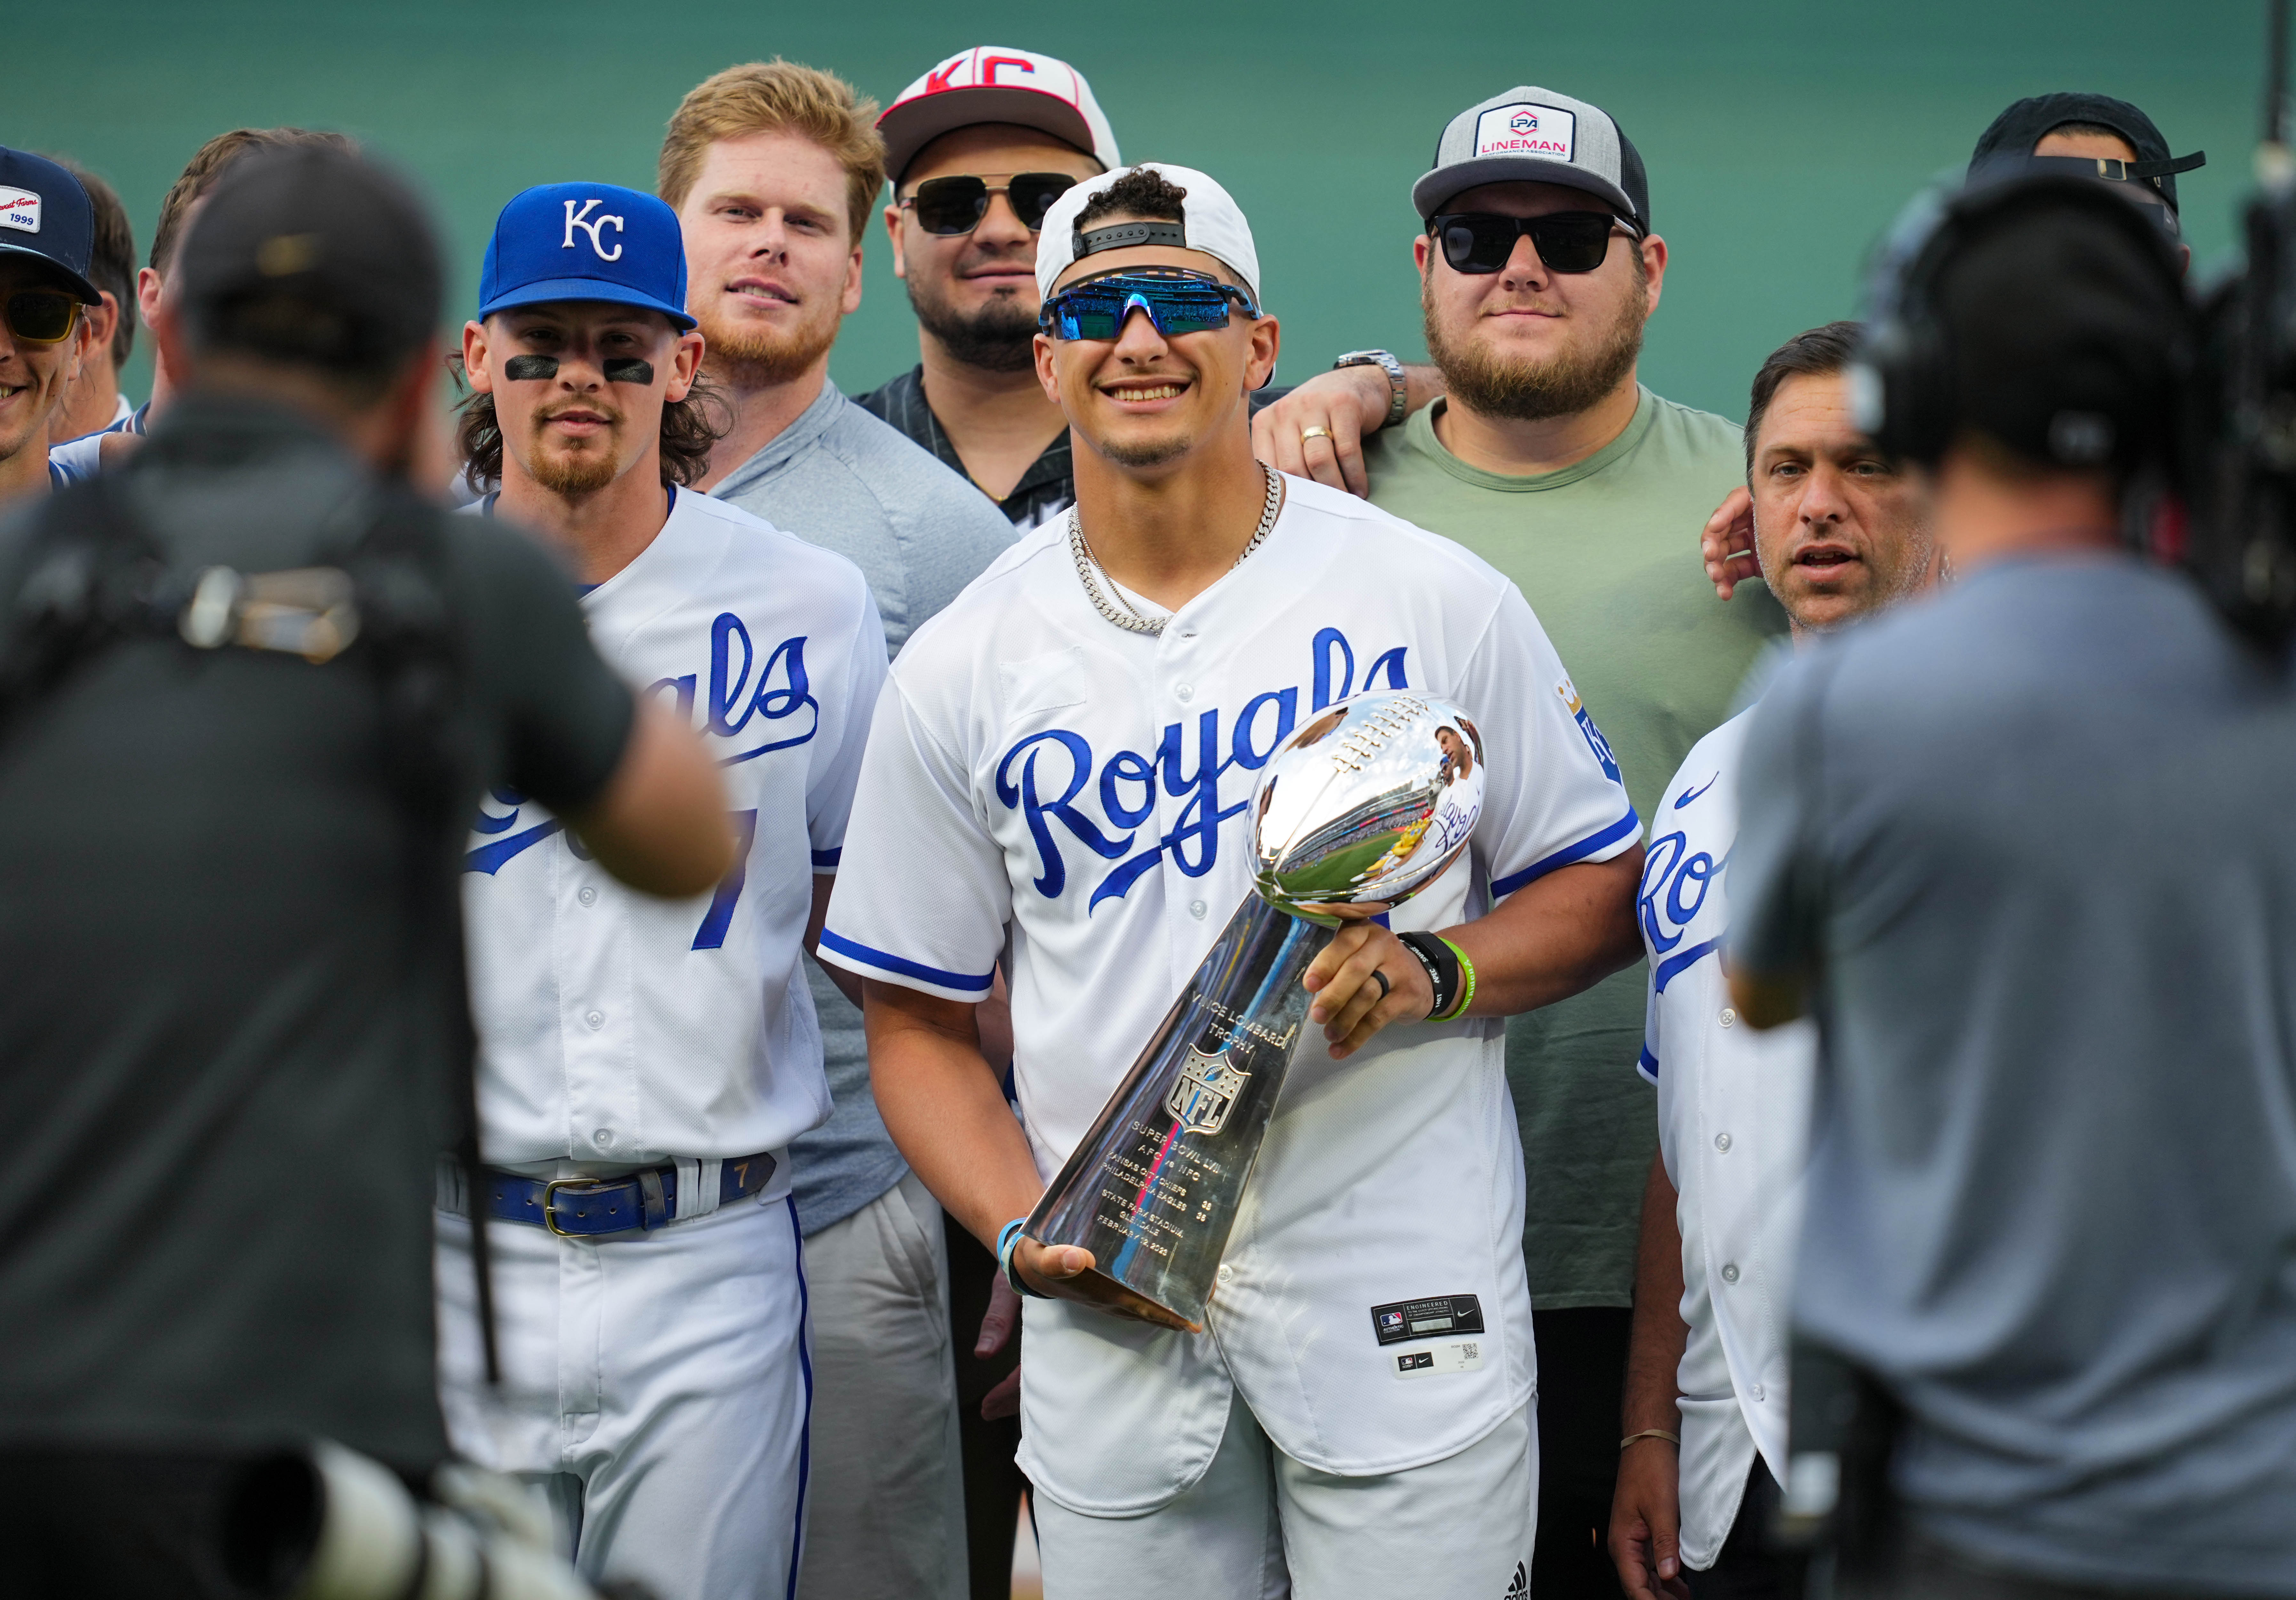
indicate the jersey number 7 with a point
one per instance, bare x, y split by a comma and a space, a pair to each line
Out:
711, 934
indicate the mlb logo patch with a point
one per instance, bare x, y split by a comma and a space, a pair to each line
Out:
1525, 129
20, 209
1390, 1322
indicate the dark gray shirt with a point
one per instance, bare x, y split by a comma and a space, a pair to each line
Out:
2031, 838
230, 1048
839, 477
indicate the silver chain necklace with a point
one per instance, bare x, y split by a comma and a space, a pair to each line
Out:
1131, 620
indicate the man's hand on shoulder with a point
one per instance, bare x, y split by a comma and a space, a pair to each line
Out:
1727, 544
1317, 430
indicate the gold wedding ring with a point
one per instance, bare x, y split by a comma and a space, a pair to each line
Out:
1317, 431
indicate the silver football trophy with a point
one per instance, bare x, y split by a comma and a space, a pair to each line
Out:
1354, 814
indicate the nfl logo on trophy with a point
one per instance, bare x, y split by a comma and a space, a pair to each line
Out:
1200, 1101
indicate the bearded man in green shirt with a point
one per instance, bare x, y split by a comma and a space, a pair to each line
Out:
1537, 270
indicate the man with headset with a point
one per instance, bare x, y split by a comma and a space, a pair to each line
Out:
2021, 851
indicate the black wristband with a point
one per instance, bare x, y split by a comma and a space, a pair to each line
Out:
1442, 965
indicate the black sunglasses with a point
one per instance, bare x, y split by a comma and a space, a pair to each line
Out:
949, 206
1480, 241
40, 315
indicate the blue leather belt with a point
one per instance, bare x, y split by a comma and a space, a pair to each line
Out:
582, 1208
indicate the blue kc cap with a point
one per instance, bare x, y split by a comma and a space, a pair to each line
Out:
44, 212
584, 242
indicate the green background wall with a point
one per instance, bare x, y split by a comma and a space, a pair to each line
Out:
1781, 136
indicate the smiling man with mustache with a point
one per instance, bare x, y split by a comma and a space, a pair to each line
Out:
1057, 780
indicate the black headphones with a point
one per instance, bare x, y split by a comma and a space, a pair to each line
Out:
1902, 380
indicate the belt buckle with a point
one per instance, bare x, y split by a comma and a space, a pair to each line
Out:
550, 1194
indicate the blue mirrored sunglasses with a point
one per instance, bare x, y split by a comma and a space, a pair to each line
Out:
1178, 303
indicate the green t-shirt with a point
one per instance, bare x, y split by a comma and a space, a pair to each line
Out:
1606, 552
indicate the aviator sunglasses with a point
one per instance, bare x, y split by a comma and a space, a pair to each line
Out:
951, 206
1569, 242
1176, 301
40, 315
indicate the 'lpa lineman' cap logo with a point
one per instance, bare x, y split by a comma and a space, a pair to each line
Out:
20, 209
1542, 130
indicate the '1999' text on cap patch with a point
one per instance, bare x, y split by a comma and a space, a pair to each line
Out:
20, 209
1528, 130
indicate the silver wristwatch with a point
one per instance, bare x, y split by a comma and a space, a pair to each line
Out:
1398, 391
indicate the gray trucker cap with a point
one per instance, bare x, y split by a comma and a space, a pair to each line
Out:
1536, 136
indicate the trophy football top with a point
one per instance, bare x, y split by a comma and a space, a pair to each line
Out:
1365, 806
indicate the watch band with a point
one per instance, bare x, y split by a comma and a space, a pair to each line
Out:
1398, 391
1442, 964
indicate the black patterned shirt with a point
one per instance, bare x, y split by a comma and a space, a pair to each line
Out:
1045, 489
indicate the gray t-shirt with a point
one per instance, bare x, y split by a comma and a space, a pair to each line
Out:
839, 477
2031, 838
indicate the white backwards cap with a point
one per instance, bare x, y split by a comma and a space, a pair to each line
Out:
1212, 222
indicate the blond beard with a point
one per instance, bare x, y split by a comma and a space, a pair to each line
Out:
748, 355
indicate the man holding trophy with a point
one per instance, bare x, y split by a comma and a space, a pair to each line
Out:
1214, 689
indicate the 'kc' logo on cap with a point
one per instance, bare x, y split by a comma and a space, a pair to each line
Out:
527, 261
579, 219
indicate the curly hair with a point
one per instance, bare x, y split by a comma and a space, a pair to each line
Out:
690, 427
1142, 191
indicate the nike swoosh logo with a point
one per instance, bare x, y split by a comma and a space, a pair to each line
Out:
1692, 794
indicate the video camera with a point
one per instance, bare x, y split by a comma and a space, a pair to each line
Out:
327, 1523
2239, 541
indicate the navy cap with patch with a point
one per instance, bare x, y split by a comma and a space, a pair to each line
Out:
2005, 148
44, 212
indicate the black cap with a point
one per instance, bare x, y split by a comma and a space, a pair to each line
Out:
2067, 327
43, 212
312, 255
2006, 147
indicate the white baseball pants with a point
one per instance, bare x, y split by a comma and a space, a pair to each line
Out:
656, 1389
1260, 1526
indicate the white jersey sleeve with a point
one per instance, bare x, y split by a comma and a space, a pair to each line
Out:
844, 736
1647, 1063
916, 795
1553, 795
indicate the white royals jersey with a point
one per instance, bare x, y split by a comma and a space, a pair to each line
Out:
1733, 1114
1050, 791
616, 1027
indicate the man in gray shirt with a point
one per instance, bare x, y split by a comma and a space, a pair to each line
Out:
773, 170
2023, 850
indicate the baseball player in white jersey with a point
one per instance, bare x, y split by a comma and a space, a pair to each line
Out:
644, 1065
1840, 533
1056, 781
